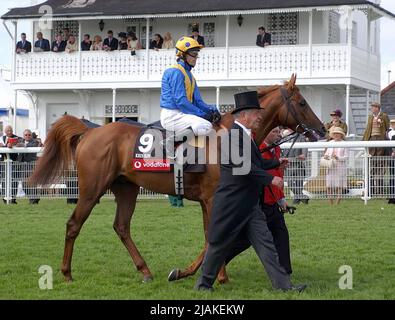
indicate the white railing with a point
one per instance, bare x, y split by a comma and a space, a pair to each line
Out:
243, 63
365, 177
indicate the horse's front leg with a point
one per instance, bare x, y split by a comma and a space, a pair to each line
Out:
177, 274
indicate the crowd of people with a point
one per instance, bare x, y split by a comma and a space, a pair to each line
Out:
29, 140
66, 42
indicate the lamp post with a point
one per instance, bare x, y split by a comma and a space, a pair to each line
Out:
240, 20
101, 25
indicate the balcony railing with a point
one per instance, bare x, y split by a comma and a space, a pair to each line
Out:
237, 63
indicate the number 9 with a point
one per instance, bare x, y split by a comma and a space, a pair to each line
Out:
147, 141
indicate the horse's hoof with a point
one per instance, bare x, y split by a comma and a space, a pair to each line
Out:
147, 279
173, 275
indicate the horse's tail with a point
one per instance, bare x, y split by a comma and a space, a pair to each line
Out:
59, 152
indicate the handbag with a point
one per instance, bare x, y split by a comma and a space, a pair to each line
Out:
327, 163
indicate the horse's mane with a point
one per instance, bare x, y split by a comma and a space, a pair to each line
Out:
263, 91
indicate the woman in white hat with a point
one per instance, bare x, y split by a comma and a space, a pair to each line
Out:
336, 176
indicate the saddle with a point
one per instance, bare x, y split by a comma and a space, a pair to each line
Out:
150, 155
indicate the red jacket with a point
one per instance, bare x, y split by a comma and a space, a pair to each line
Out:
271, 194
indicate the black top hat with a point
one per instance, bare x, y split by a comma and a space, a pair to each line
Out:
246, 100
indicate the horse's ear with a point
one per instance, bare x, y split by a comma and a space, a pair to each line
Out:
292, 82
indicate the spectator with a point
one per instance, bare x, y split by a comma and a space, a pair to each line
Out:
123, 42
23, 46
66, 33
336, 122
28, 159
195, 35
41, 44
110, 43
59, 45
157, 42
391, 136
264, 38
86, 43
35, 137
168, 42
72, 45
133, 43
377, 127
97, 44
336, 176
297, 169
9, 140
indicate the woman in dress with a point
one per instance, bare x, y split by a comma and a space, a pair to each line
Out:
168, 42
336, 175
133, 43
97, 44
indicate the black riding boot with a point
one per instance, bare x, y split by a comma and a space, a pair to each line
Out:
181, 136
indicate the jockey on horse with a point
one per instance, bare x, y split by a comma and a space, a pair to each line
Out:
183, 110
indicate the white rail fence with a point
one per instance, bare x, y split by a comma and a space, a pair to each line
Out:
358, 176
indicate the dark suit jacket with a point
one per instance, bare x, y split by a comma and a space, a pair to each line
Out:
27, 46
267, 38
113, 45
61, 46
237, 195
44, 45
86, 46
29, 157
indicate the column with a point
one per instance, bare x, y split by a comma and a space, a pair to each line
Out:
227, 46
80, 51
367, 104
13, 73
218, 97
114, 100
147, 49
15, 110
311, 43
348, 107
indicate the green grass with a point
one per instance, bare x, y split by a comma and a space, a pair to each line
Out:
323, 238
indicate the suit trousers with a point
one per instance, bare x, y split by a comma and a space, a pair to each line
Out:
278, 228
259, 235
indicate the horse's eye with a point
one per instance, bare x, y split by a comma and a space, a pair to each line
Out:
302, 103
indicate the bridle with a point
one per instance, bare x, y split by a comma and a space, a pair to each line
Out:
301, 128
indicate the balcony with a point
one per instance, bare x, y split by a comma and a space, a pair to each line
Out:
319, 64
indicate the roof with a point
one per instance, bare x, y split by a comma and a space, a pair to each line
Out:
152, 8
389, 88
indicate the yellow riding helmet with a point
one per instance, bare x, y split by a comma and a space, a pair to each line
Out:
184, 44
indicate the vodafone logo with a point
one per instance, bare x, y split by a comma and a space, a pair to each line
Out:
137, 165
151, 165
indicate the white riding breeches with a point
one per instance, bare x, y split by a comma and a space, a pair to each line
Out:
175, 120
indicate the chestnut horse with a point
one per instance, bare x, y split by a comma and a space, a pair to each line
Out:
103, 161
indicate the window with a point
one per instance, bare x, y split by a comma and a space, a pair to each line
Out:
60, 25
208, 32
283, 28
354, 34
334, 28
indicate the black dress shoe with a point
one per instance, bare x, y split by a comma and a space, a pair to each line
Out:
305, 201
299, 287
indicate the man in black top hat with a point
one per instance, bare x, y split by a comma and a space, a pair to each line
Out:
236, 207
